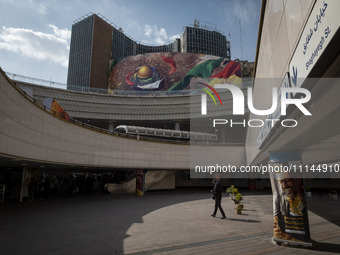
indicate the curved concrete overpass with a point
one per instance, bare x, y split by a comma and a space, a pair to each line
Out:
29, 132
129, 106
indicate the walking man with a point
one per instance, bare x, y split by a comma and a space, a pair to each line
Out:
217, 192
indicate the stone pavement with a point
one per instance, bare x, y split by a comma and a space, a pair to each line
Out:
163, 222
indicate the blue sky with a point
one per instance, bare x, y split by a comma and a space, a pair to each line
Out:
35, 34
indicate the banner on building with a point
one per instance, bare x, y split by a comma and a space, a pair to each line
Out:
55, 108
140, 182
289, 209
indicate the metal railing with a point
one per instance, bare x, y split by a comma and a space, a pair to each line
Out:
131, 136
45, 83
106, 131
36, 81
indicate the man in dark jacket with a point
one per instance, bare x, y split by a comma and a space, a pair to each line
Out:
217, 192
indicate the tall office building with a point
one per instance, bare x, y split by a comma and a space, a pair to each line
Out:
90, 52
95, 41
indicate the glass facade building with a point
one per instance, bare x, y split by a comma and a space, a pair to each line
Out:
80, 53
123, 46
199, 40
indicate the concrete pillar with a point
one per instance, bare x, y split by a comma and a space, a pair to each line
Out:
24, 184
111, 126
140, 182
221, 134
177, 126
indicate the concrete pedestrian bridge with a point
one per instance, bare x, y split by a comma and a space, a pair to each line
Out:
125, 105
30, 135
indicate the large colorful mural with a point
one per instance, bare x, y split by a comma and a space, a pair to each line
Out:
172, 72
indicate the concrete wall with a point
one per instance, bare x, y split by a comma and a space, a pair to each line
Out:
282, 27
28, 131
283, 23
129, 107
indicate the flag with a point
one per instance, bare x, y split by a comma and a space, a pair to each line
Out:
202, 70
171, 62
231, 68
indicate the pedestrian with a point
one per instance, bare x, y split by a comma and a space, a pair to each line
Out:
217, 194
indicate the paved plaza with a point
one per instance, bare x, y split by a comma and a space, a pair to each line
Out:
162, 222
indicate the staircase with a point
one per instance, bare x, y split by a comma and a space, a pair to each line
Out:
154, 179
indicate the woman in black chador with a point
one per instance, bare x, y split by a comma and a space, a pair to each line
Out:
217, 193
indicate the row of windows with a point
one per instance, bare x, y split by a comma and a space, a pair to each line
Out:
123, 46
82, 33
198, 40
149, 49
79, 66
80, 77
81, 45
208, 45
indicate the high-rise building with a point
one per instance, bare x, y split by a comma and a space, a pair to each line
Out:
95, 41
90, 52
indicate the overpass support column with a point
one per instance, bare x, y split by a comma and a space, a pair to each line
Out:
24, 184
177, 126
221, 135
289, 202
111, 126
140, 182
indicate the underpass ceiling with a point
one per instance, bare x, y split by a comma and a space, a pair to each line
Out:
316, 136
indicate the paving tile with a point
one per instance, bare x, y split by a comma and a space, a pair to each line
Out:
171, 222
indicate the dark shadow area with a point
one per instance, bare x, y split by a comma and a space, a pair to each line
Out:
321, 204
87, 224
250, 221
326, 247
247, 192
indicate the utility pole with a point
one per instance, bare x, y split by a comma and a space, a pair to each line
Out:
239, 21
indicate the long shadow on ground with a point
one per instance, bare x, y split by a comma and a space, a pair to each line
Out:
91, 224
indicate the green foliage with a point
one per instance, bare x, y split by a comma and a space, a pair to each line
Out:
230, 189
235, 191
238, 197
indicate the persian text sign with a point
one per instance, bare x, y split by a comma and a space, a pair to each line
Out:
321, 26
